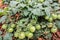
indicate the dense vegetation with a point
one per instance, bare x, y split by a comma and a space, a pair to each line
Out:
29, 19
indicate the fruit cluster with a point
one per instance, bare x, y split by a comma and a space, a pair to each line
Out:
53, 17
30, 19
20, 32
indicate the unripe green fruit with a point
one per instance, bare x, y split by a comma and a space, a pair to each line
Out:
26, 33
46, 17
4, 26
53, 30
50, 25
30, 35
22, 35
58, 16
38, 27
10, 30
16, 34
13, 25
41, 1
54, 16
32, 29
50, 19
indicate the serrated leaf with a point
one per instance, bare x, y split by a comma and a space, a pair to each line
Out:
56, 8
21, 5
37, 12
13, 3
46, 3
48, 11
39, 5
14, 10
25, 12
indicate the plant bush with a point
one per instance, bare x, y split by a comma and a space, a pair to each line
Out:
29, 19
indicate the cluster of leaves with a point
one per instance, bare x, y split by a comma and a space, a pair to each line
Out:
30, 19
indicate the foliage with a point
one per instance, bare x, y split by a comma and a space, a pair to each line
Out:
27, 14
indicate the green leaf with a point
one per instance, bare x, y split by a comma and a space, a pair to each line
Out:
14, 10
46, 3
58, 24
48, 11
0, 37
39, 5
1, 12
22, 5
8, 36
13, 3
37, 12
2, 19
25, 12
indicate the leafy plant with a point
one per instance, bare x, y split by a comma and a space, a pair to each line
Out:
35, 18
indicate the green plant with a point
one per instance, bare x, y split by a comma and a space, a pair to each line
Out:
33, 17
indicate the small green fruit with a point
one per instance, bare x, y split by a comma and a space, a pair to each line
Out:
32, 29
16, 34
41, 1
22, 35
50, 19
13, 25
54, 16
10, 30
58, 16
38, 27
4, 26
30, 35
53, 30
50, 25
26, 33
46, 17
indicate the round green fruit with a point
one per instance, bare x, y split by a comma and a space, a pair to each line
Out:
38, 27
22, 35
41, 1
4, 26
32, 29
30, 35
58, 16
54, 30
13, 25
50, 25
50, 19
26, 33
10, 30
16, 34
47, 17
54, 16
